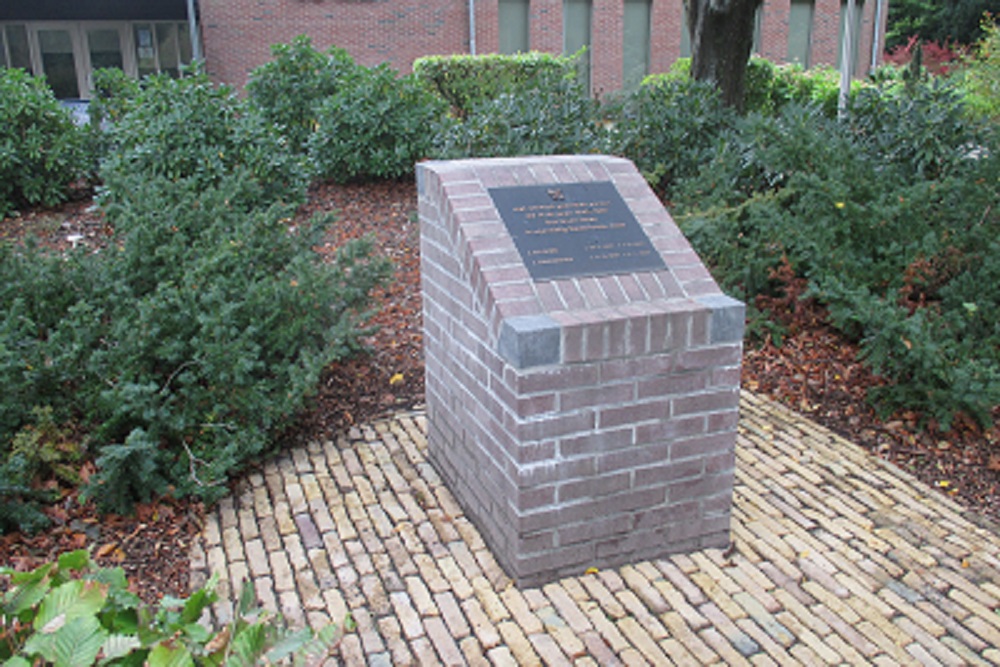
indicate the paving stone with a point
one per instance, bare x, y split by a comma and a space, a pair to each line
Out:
392, 633
491, 602
718, 643
483, 628
447, 649
726, 625
680, 604
284, 580
424, 651
232, 542
549, 650
501, 656
609, 603
473, 652
536, 598
568, 608
421, 597
765, 641
641, 614
856, 640
514, 602
456, 579
605, 627
351, 651
840, 559
568, 640
408, 617
371, 640
518, 643
643, 587
452, 614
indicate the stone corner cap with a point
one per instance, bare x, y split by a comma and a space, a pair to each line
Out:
530, 340
728, 317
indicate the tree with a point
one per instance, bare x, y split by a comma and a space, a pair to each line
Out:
941, 21
721, 40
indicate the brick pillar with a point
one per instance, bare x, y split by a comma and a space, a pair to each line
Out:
585, 421
546, 26
826, 30
774, 30
666, 24
606, 46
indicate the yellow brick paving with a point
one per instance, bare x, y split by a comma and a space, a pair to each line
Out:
839, 559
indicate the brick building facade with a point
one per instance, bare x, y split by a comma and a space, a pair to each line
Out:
238, 33
626, 39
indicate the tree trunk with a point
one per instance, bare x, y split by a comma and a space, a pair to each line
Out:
721, 39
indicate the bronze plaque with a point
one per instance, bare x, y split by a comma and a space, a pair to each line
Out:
568, 230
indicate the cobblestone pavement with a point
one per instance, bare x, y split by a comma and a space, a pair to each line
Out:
839, 558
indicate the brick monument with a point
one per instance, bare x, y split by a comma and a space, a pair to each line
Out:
582, 367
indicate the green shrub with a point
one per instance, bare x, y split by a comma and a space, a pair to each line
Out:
42, 152
115, 92
979, 77
189, 128
891, 217
72, 612
376, 126
923, 133
466, 81
289, 89
556, 117
219, 323
186, 348
669, 127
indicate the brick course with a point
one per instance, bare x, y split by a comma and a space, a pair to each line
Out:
238, 34
576, 432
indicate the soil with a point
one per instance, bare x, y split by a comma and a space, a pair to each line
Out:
814, 371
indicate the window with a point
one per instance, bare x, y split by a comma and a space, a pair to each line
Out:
685, 35
105, 48
800, 21
514, 26
161, 47
635, 44
55, 48
758, 19
18, 51
576, 32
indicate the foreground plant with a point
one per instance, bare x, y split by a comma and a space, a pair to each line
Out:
74, 613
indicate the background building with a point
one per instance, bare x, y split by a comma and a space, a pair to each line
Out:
66, 40
626, 39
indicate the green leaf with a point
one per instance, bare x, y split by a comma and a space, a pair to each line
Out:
290, 644
118, 646
247, 646
29, 589
71, 600
16, 661
75, 642
167, 655
248, 598
78, 642
196, 604
74, 561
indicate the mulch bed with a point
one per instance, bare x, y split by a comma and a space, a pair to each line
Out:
815, 371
